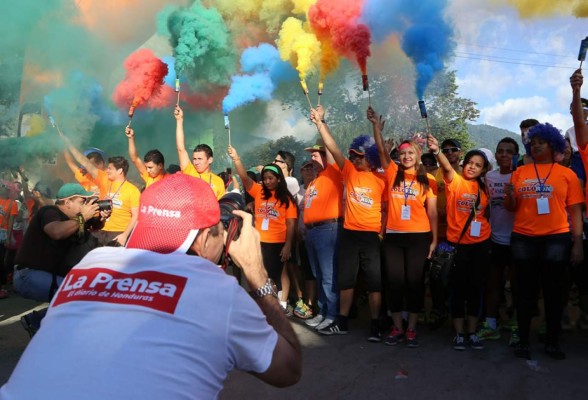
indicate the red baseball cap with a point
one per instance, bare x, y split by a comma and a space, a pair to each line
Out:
171, 212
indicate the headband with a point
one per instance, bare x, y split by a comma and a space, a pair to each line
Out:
271, 168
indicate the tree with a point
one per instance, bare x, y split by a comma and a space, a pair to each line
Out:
266, 152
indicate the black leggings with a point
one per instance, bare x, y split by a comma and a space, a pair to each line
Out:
468, 277
404, 264
273, 261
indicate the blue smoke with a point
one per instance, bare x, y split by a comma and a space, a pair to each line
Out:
264, 72
426, 35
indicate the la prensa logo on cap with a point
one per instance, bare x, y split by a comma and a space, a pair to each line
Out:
152, 289
160, 212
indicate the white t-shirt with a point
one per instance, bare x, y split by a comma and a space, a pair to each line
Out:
132, 324
501, 220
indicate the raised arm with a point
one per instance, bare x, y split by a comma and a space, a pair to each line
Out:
448, 171
133, 151
317, 116
80, 158
247, 181
180, 145
576, 81
286, 365
377, 126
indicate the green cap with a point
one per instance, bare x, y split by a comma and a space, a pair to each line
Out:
72, 189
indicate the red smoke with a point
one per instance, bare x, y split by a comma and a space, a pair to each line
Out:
211, 99
143, 83
338, 20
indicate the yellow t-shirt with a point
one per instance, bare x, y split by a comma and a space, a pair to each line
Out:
149, 180
215, 182
125, 196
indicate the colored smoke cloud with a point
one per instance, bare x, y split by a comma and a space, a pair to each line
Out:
426, 35
265, 71
143, 82
298, 46
202, 45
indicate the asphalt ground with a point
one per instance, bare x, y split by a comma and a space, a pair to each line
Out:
350, 367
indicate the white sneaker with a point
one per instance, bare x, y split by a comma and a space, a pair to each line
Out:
326, 322
314, 321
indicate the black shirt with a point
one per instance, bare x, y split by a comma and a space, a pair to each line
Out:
38, 250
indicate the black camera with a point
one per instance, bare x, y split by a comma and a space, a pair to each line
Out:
233, 223
104, 205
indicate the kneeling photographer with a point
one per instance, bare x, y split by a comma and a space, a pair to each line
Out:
58, 237
123, 313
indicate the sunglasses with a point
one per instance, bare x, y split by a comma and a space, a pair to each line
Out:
279, 161
429, 164
450, 150
354, 156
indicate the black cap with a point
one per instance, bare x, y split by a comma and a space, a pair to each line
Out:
452, 143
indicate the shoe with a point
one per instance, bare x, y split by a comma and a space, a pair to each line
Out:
411, 338
395, 337
522, 351
314, 321
334, 329
325, 322
30, 322
487, 333
475, 342
375, 336
514, 338
459, 343
553, 351
302, 310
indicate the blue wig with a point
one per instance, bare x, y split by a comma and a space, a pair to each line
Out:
365, 145
550, 134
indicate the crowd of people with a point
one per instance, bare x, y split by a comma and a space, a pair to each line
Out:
389, 213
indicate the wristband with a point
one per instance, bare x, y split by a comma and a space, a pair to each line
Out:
437, 153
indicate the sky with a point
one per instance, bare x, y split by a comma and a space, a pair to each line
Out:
513, 67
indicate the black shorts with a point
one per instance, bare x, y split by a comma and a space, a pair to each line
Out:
359, 249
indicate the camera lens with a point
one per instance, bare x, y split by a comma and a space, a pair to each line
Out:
229, 203
104, 205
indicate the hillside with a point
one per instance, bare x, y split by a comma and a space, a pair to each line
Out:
488, 136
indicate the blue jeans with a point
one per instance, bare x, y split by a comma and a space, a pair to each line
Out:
321, 244
34, 284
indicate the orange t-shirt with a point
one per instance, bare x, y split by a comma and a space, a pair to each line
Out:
364, 193
562, 189
461, 196
149, 180
5, 213
270, 216
324, 196
103, 183
85, 179
412, 194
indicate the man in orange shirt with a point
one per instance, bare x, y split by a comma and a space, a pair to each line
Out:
359, 244
322, 212
152, 168
81, 174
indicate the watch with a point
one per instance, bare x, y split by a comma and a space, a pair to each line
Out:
269, 288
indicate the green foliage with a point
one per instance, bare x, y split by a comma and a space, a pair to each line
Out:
266, 152
488, 136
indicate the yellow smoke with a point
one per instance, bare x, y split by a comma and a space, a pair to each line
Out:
299, 46
544, 8
329, 59
302, 6
270, 12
